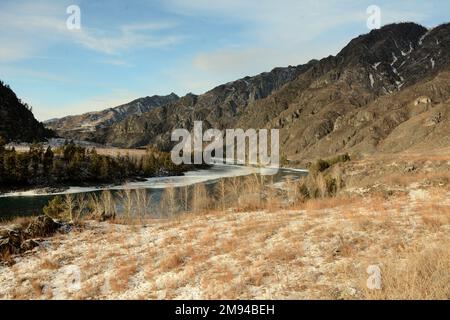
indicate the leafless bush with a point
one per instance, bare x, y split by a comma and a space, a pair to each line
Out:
200, 199
168, 204
143, 202
69, 206
126, 197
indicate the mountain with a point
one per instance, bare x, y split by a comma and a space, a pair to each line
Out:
364, 100
386, 91
84, 126
17, 121
218, 108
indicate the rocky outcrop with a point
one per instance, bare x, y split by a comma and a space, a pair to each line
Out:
15, 239
42, 226
422, 100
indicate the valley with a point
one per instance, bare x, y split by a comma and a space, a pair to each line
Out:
364, 139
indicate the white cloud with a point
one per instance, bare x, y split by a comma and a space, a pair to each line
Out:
30, 27
116, 62
126, 38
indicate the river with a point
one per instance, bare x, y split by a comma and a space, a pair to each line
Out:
31, 202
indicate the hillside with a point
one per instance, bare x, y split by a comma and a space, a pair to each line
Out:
219, 107
386, 91
84, 126
17, 122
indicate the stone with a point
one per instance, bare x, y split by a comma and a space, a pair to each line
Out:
422, 100
28, 245
42, 226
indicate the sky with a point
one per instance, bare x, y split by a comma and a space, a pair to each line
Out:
124, 50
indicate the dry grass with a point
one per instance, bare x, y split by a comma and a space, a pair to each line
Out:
172, 261
49, 265
125, 269
420, 274
285, 254
249, 239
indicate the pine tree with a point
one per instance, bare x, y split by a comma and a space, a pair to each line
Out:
48, 161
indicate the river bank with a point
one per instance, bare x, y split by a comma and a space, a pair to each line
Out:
389, 216
316, 252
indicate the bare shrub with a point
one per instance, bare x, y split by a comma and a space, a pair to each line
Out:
143, 203
220, 191
251, 194
273, 201
126, 197
81, 204
200, 199
102, 207
168, 204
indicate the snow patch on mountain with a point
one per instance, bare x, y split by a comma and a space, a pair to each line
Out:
372, 80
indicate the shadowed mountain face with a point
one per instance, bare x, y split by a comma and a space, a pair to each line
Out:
386, 86
17, 122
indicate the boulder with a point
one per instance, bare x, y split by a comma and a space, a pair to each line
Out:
42, 226
422, 100
28, 245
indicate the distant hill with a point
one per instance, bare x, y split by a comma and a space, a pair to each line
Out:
82, 127
17, 122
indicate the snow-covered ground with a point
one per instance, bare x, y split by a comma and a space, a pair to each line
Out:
320, 250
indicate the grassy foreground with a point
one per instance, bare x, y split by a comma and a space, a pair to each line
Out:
269, 248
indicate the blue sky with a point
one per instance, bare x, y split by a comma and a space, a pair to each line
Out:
129, 49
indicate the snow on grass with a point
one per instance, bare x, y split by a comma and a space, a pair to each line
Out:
320, 250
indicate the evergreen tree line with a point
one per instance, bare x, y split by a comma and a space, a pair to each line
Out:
73, 164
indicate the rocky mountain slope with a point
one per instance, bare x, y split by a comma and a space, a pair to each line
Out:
84, 126
364, 100
386, 91
218, 108
17, 122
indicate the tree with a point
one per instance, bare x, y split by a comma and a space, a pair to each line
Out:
104, 168
48, 161
35, 156
2, 144
54, 208
9, 165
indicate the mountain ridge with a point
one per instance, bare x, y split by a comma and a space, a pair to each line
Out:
310, 103
82, 126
